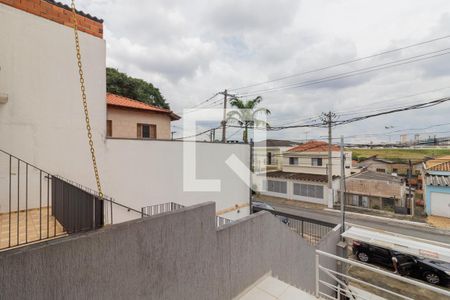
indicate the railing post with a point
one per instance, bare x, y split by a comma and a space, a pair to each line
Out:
111, 203
93, 212
142, 212
317, 275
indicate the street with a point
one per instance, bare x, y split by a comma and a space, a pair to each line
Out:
363, 220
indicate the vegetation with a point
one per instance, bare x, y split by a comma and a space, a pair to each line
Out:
246, 114
121, 84
398, 155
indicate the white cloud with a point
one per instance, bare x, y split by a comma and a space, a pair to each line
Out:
192, 49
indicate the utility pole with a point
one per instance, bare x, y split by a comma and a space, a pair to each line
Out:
410, 198
328, 120
342, 189
224, 121
172, 133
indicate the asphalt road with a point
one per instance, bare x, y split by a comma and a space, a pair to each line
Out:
362, 220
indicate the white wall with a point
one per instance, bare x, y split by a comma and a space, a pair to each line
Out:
43, 121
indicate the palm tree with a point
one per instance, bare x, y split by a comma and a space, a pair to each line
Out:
246, 115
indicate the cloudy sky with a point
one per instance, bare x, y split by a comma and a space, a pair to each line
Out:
193, 49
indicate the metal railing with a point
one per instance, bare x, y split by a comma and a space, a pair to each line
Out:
343, 285
172, 206
309, 229
36, 205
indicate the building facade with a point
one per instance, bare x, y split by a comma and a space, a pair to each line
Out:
127, 118
374, 190
437, 187
268, 154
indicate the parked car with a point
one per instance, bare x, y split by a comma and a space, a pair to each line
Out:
258, 206
431, 271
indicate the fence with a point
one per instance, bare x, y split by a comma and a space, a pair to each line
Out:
172, 206
309, 229
36, 205
367, 282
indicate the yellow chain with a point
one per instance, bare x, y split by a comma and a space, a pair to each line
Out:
85, 105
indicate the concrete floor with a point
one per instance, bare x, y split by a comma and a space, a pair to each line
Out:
28, 227
272, 289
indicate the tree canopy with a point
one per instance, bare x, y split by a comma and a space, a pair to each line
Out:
134, 88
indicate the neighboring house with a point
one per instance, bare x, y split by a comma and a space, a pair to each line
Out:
268, 154
385, 166
304, 174
312, 158
375, 190
128, 118
437, 187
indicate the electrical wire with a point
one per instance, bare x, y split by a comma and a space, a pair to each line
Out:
343, 63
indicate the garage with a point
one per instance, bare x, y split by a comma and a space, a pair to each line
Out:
440, 204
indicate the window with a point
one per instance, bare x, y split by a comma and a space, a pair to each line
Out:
381, 170
277, 186
269, 158
146, 131
316, 162
293, 160
394, 170
109, 128
308, 190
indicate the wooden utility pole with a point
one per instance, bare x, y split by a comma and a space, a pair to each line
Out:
224, 121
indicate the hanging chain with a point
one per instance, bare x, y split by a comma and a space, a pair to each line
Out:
85, 104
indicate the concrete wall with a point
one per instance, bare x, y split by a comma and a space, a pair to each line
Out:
124, 122
177, 255
378, 188
43, 123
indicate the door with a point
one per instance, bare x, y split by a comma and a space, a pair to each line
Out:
440, 204
381, 256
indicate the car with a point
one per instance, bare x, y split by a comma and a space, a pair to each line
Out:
432, 271
258, 206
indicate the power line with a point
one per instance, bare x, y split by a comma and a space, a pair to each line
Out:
357, 72
343, 63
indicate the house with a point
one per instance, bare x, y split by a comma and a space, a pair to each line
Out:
386, 166
268, 154
375, 190
437, 187
312, 158
304, 175
128, 118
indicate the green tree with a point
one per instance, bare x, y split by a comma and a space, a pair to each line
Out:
246, 114
121, 84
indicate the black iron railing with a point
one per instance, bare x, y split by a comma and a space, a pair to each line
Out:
309, 229
36, 205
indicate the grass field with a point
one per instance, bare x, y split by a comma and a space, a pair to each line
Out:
398, 155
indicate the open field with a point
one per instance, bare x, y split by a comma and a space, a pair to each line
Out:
398, 155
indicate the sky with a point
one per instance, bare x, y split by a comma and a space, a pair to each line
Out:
193, 49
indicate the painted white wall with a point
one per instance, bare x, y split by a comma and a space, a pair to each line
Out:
43, 122
305, 166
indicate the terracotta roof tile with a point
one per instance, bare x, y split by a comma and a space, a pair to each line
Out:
116, 100
314, 146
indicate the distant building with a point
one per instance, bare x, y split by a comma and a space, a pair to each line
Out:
404, 139
303, 175
268, 154
374, 190
437, 187
128, 118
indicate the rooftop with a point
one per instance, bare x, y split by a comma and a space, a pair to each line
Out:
439, 164
276, 143
370, 175
314, 146
120, 101
437, 180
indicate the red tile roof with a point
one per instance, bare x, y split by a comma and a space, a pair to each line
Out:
314, 146
445, 166
116, 100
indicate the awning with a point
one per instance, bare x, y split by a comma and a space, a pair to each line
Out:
401, 243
